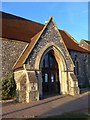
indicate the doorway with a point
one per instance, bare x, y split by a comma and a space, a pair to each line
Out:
50, 75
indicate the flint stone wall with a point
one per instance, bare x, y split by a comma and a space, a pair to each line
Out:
50, 35
83, 67
11, 51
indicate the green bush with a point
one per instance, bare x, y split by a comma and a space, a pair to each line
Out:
8, 87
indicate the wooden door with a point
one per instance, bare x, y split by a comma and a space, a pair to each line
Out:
50, 75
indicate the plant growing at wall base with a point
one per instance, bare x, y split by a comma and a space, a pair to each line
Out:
8, 87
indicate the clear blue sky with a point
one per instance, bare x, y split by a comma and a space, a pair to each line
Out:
70, 16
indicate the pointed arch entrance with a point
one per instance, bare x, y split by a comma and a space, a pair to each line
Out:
50, 75
60, 70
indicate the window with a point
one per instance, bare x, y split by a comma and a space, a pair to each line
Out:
52, 78
76, 65
46, 77
76, 69
46, 64
51, 60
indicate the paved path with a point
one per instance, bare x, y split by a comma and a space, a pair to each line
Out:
51, 106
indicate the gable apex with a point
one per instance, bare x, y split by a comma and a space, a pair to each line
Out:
50, 18
19, 63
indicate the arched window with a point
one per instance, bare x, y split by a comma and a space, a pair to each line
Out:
49, 61
76, 63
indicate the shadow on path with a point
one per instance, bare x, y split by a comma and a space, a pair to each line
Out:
81, 103
36, 105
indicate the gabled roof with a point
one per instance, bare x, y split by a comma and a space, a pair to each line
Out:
26, 52
17, 28
71, 43
34, 40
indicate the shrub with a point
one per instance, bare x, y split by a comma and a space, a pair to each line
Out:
8, 87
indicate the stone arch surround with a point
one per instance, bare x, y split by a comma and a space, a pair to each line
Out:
61, 64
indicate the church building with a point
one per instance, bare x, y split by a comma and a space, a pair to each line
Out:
44, 60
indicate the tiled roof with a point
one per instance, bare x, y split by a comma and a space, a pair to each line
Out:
71, 43
17, 28
26, 52
14, 27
